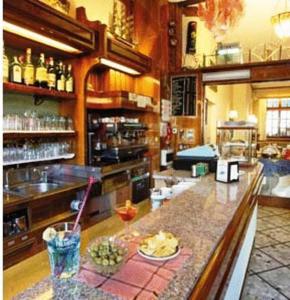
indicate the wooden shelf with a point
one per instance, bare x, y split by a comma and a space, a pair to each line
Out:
19, 162
57, 26
113, 100
8, 135
36, 91
55, 219
237, 128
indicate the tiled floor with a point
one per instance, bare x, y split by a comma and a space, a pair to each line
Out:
269, 269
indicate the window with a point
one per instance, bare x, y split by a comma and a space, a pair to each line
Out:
278, 117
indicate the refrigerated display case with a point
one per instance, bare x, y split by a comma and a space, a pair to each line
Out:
238, 141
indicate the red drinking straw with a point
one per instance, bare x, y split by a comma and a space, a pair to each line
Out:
92, 180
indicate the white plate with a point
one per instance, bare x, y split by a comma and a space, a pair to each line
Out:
150, 257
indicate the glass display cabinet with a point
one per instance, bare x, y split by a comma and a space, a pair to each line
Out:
238, 141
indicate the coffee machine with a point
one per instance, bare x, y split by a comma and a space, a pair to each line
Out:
113, 140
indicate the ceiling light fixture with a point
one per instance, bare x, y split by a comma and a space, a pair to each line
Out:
226, 75
34, 36
281, 23
118, 66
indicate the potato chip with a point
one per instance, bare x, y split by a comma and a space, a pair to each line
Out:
160, 245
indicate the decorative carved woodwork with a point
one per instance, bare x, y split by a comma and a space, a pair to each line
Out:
113, 49
30, 14
113, 100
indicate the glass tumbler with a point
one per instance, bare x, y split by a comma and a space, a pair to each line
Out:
64, 250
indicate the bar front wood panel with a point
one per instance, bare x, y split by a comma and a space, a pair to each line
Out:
274, 201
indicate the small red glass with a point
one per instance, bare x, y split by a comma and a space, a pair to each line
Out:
126, 213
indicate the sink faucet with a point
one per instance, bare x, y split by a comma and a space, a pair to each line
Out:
36, 172
44, 174
7, 185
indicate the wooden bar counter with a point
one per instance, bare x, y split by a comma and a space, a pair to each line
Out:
215, 220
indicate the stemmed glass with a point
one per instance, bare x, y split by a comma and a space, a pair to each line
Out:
126, 213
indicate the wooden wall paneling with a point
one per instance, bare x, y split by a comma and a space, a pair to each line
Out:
175, 52
77, 109
269, 73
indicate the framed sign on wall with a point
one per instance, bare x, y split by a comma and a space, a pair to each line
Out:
183, 95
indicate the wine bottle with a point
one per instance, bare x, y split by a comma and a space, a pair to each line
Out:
69, 83
28, 69
60, 77
15, 71
191, 38
41, 73
51, 75
5, 67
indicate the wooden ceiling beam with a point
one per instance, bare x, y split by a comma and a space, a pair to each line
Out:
190, 2
189, 11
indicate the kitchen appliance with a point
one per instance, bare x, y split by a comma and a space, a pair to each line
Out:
166, 157
140, 180
227, 171
202, 154
114, 140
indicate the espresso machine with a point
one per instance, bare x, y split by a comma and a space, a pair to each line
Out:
113, 140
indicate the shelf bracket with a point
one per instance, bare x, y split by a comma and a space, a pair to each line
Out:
38, 100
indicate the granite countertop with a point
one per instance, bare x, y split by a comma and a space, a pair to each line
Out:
178, 174
199, 217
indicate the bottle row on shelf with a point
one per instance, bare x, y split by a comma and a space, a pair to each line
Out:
46, 74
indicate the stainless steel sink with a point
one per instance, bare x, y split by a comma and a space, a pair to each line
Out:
36, 187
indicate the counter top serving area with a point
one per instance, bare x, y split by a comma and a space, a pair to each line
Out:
206, 218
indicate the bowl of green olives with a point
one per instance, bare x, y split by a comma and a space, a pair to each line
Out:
107, 254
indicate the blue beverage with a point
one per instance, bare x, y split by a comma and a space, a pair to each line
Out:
64, 250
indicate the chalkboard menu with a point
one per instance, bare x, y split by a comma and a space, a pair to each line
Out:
183, 95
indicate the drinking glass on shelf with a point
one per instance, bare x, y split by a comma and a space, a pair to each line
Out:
126, 213
69, 123
6, 122
62, 123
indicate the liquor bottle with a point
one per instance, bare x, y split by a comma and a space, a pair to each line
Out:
51, 75
15, 71
28, 69
191, 38
5, 67
69, 83
60, 76
41, 73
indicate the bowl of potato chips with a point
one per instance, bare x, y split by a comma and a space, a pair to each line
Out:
161, 246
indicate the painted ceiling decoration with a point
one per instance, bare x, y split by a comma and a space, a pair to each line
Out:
220, 15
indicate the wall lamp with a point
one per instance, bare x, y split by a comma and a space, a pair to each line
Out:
117, 66
26, 33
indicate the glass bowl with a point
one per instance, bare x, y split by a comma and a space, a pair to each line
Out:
107, 254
